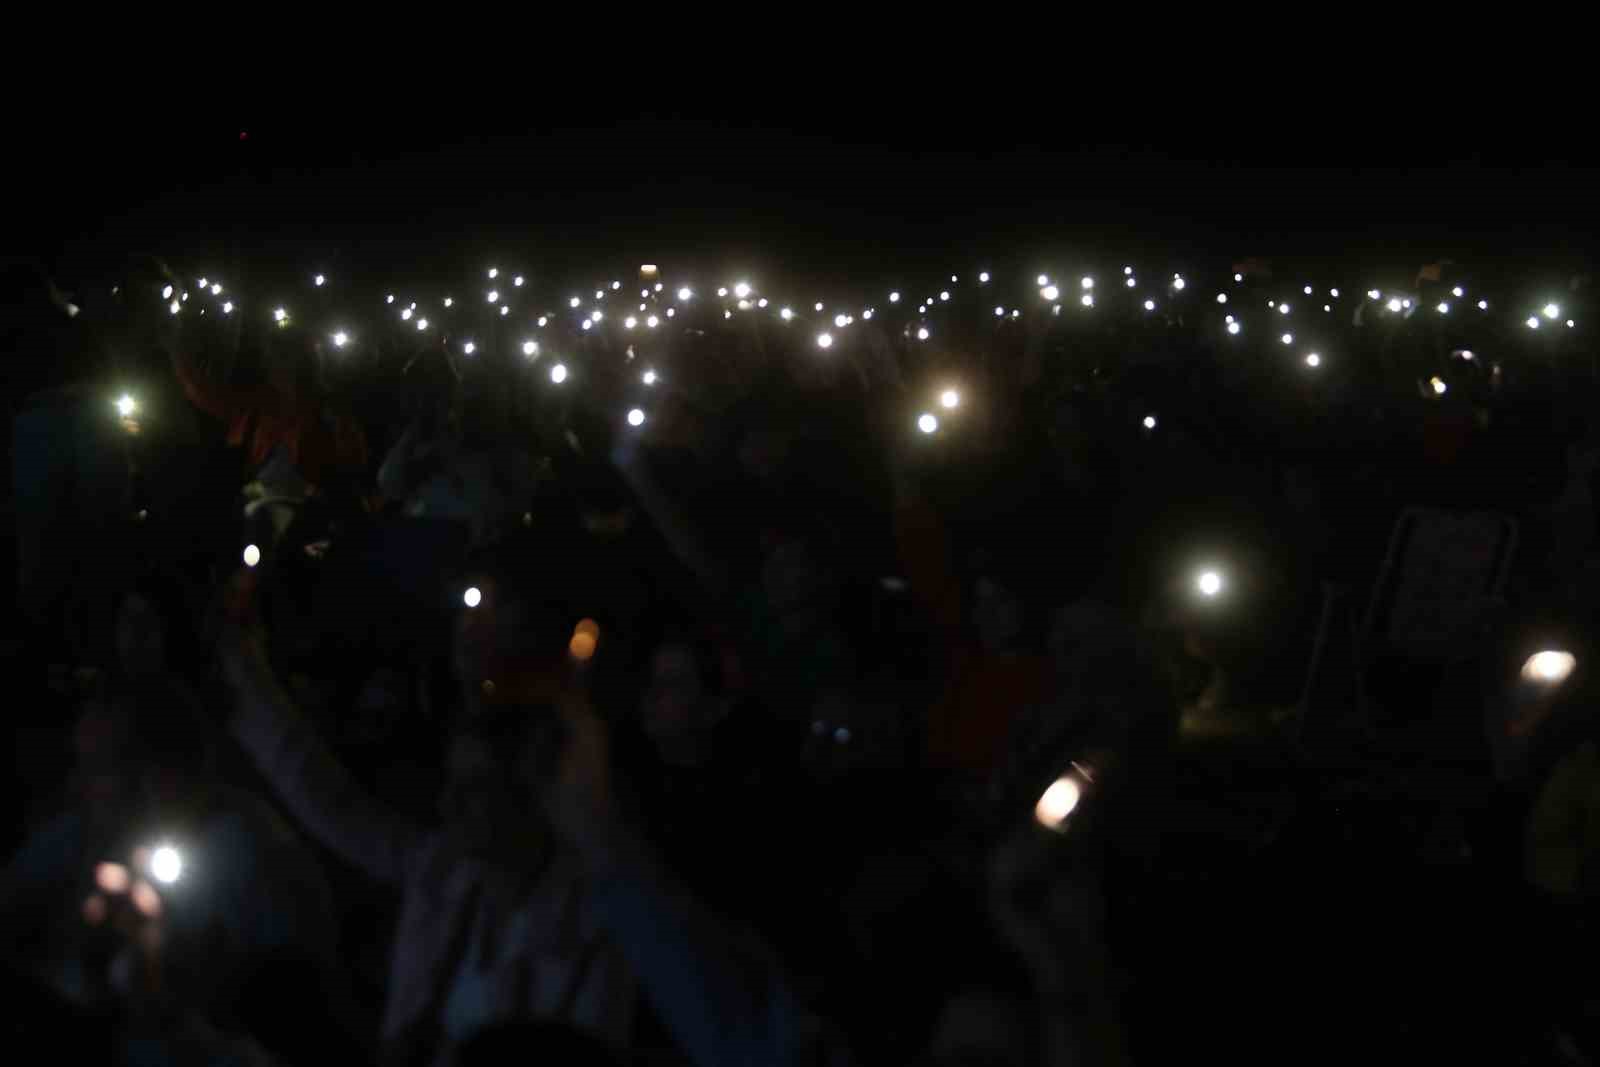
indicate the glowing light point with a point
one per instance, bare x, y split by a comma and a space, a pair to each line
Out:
983, 277
1550, 667
922, 333
1374, 294
422, 324
741, 290
1283, 309
894, 298
1050, 292
1178, 283
1088, 300
1233, 327
824, 340
558, 373
1533, 322
166, 293
216, 289
1087, 282
1149, 305
1306, 290
1334, 293
1132, 282
596, 315
252, 555
949, 399
341, 339
472, 597
786, 314
227, 308
999, 312
1057, 802
469, 348
1222, 298
1571, 324
405, 314
1127, 270
389, 299
652, 322
1313, 360
1044, 280
1287, 338
636, 417
615, 286
126, 406
494, 272
517, 281
1238, 277
1394, 304
1209, 583
1457, 292
649, 377
1438, 386
166, 866
629, 323
1149, 422
944, 294
839, 321
318, 280
1483, 305
1552, 311
817, 306
1443, 308
927, 423
722, 291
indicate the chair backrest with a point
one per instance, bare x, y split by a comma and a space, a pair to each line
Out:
1441, 576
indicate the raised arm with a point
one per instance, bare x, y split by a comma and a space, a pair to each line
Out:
316, 789
680, 531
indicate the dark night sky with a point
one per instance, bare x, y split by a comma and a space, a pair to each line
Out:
864, 178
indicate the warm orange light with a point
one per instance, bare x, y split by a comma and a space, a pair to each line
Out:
581, 646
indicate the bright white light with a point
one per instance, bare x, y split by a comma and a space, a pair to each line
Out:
596, 315
1087, 282
1178, 283
727, 314
166, 293
658, 287
1088, 300
817, 306
216, 289
1552, 311
1443, 308
472, 597
449, 301
824, 340
341, 339
1209, 583
867, 314
166, 866
1287, 338
649, 377
1570, 324
599, 294
1222, 298
786, 314
1457, 292
1405, 303
629, 323
318, 280
615, 286
953, 279
1227, 318
1313, 360
949, 399
504, 311
1017, 313
1327, 307
517, 281
636, 417
1233, 327
671, 312
741, 290
1050, 292
1149, 305
405, 314
389, 299
839, 321
1132, 282
422, 324
927, 423
588, 324
1374, 294
1057, 802
1306, 290
494, 296
894, 298
1533, 322
530, 348
227, 308
1483, 305
922, 333
1334, 293
469, 348
999, 312
1550, 667
558, 373
944, 294
1465, 354
722, 291
1149, 422
652, 322
1439, 387
1238, 277
1127, 270
175, 307
252, 555
494, 272
1283, 309
1044, 279
983, 277
279, 315
761, 303
1394, 303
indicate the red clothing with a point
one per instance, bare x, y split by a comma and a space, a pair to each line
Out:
970, 720
316, 449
